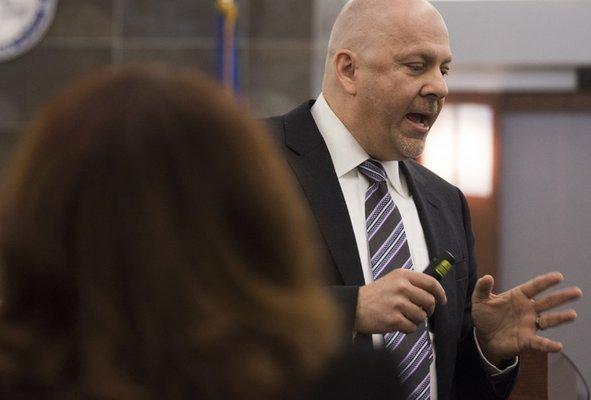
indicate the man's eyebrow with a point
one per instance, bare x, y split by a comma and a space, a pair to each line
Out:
427, 56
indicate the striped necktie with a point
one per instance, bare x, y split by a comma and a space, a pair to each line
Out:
388, 249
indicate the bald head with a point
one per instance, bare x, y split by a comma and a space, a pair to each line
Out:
363, 24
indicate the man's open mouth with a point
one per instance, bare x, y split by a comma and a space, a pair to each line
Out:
417, 118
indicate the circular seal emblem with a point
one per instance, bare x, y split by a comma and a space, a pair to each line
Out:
22, 25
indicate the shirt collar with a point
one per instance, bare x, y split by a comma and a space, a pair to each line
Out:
345, 151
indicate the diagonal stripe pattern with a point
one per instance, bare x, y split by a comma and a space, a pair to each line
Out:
388, 249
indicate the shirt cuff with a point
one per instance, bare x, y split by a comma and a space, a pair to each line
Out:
492, 370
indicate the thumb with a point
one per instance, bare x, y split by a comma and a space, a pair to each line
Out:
483, 288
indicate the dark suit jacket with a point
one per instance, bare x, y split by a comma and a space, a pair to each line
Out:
445, 219
356, 374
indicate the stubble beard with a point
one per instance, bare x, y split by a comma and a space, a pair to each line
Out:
409, 147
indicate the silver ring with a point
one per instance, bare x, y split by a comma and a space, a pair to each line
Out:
539, 327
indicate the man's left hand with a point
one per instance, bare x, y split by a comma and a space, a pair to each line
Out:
507, 323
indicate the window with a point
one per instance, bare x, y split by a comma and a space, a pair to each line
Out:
460, 147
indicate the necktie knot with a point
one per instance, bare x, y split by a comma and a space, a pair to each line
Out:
373, 170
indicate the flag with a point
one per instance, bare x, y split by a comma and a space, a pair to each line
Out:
226, 52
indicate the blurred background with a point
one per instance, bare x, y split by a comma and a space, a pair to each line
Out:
515, 134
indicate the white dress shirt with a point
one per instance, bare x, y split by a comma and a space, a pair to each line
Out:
346, 154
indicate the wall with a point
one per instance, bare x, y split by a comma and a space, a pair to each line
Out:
324, 14
518, 33
545, 210
274, 43
517, 45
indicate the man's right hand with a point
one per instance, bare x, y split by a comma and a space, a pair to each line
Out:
398, 301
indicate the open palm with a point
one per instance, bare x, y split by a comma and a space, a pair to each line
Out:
505, 323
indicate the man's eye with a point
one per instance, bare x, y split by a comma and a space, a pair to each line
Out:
416, 67
444, 71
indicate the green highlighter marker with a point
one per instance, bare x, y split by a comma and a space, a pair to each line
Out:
440, 265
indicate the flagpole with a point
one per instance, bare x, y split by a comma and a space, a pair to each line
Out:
226, 49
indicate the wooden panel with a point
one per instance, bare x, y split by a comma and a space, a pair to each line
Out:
485, 227
570, 102
532, 383
508, 102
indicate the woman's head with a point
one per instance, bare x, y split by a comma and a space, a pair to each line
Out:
147, 226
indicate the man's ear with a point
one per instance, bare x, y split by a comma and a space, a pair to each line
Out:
345, 69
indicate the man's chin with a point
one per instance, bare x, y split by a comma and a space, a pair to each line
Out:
411, 148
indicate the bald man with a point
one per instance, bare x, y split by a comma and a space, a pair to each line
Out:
383, 216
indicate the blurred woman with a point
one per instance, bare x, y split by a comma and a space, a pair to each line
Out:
153, 247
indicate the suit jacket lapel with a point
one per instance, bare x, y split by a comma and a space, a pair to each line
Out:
311, 162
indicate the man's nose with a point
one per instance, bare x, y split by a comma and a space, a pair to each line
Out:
435, 85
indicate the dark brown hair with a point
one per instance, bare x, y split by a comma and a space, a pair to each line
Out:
154, 247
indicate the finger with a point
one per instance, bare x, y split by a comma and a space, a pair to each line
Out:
540, 283
550, 320
413, 313
423, 299
483, 288
429, 284
402, 324
546, 345
557, 299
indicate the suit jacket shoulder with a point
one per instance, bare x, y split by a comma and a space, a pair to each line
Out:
304, 148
